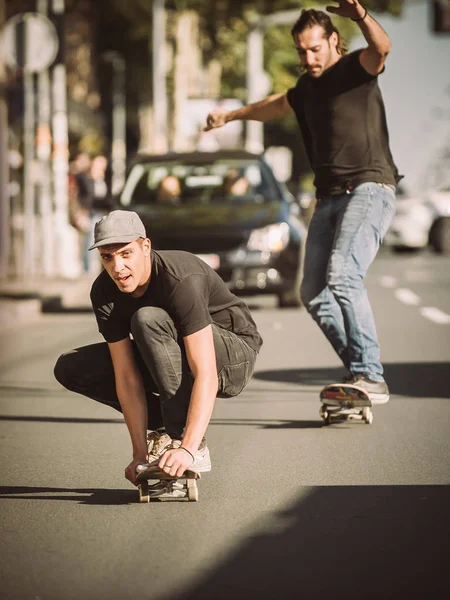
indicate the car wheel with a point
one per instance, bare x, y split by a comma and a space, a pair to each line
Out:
289, 299
440, 236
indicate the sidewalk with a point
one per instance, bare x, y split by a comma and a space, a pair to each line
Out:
23, 301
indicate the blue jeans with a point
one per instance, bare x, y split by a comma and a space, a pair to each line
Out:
344, 236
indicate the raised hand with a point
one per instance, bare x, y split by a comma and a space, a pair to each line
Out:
215, 119
351, 9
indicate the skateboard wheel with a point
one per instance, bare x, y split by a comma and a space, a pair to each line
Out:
367, 415
144, 496
323, 412
192, 490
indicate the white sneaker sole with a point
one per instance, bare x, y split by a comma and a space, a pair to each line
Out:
379, 398
201, 468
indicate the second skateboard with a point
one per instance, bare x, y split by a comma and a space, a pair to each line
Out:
342, 402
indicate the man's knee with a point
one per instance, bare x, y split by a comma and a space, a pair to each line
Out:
63, 370
343, 283
147, 316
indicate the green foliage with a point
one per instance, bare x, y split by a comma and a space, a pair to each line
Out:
225, 26
228, 23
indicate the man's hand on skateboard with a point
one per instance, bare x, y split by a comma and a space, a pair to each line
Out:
130, 471
175, 461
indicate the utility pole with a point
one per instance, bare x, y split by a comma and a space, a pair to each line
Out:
256, 89
258, 82
119, 149
29, 172
4, 169
60, 146
159, 77
43, 151
29, 43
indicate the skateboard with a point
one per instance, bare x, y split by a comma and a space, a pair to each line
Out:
167, 487
343, 401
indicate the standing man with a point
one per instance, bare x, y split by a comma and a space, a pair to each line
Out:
193, 340
341, 115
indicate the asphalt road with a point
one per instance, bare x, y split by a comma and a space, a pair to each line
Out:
291, 509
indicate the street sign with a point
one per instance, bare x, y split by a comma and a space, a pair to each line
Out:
29, 41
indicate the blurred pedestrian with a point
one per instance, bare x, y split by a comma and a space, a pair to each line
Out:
81, 198
101, 203
235, 183
169, 190
341, 115
193, 340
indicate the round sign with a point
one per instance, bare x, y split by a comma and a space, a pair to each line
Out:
29, 41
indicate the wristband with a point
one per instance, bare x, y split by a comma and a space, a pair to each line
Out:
361, 18
190, 453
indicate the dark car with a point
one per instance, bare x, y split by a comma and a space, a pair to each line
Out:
228, 208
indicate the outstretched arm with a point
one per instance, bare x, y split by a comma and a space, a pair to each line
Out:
374, 56
272, 107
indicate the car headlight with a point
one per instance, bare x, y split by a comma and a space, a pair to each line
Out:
272, 238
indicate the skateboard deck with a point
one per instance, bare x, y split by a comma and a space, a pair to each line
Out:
167, 487
344, 401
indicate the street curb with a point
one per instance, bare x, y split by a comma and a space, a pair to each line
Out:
15, 312
48, 296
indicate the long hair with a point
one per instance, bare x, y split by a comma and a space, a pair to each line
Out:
310, 18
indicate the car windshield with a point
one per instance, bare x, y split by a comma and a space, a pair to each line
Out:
221, 181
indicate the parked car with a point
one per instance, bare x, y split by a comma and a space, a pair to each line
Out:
228, 208
421, 221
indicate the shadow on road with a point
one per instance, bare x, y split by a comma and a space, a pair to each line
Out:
269, 423
21, 390
58, 419
93, 496
423, 380
341, 542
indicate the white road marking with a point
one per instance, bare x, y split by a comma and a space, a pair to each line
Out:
407, 296
388, 281
435, 315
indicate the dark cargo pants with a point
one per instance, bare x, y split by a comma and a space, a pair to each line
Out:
162, 361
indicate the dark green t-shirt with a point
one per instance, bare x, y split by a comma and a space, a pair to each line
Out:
185, 287
343, 123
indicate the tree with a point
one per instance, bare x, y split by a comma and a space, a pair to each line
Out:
223, 28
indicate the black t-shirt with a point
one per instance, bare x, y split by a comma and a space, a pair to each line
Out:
343, 122
185, 287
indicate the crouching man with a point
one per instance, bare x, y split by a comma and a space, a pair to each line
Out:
191, 341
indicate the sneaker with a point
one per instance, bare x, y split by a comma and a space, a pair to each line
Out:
157, 442
202, 461
377, 391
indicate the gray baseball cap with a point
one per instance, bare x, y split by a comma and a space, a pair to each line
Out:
118, 227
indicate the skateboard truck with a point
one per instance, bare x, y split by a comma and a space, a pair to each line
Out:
167, 487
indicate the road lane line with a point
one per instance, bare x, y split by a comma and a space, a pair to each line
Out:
388, 281
435, 315
410, 298
407, 296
